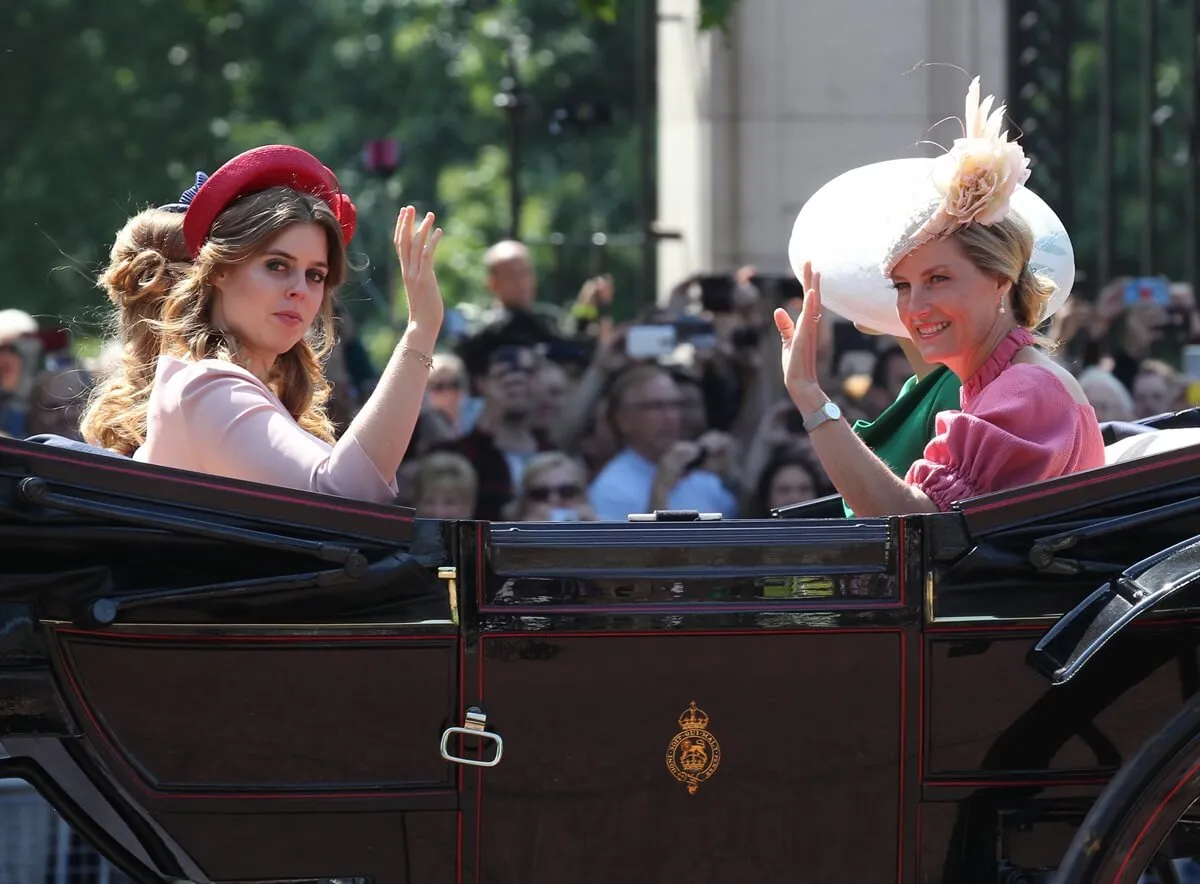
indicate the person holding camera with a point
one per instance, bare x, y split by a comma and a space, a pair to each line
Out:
1145, 318
513, 320
655, 468
503, 440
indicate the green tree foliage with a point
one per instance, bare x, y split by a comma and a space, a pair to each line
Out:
1163, 97
110, 107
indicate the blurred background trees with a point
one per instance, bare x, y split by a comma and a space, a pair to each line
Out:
110, 107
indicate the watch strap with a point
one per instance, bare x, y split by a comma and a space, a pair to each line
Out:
821, 415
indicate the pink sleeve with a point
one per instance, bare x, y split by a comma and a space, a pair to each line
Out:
239, 430
1023, 428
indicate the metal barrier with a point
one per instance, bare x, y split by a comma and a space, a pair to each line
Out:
37, 846
1105, 98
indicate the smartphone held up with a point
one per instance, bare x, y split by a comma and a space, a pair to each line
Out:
660, 340
1148, 290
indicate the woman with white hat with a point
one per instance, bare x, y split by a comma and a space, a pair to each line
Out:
957, 255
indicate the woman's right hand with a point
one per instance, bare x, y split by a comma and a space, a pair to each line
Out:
416, 250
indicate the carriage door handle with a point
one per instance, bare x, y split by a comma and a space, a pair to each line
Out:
474, 725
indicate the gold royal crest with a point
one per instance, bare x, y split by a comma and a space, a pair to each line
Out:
694, 754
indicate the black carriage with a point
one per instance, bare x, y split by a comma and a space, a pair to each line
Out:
219, 681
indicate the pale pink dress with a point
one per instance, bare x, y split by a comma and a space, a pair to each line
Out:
1018, 425
215, 417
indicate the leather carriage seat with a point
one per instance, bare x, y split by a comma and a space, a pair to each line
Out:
1154, 442
55, 441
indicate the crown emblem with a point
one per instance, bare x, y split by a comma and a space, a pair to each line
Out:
693, 718
693, 756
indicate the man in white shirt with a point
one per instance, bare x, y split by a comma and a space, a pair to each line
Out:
655, 469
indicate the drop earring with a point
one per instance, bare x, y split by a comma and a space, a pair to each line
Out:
1002, 310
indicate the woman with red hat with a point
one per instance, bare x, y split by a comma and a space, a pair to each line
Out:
238, 386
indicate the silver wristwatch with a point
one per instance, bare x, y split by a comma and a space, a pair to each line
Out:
827, 412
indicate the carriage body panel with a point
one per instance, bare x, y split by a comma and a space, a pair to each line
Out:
185, 661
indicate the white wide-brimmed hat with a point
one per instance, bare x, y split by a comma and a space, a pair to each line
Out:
857, 227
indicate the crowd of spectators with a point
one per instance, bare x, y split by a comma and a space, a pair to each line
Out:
548, 412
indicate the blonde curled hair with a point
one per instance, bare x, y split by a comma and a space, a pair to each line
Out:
1004, 249
241, 232
165, 307
147, 258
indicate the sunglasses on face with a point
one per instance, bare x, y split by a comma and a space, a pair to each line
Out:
657, 405
544, 493
445, 386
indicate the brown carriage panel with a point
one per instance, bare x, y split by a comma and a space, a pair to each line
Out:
936, 824
236, 716
809, 733
384, 848
989, 712
959, 839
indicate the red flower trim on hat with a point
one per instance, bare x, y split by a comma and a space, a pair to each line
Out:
274, 165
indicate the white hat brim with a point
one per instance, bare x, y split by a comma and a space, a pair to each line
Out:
847, 228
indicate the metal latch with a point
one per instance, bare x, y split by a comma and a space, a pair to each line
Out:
474, 725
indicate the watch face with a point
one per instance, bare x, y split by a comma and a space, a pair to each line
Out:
833, 411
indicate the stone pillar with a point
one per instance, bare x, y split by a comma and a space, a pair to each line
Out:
695, 168
971, 34
750, 124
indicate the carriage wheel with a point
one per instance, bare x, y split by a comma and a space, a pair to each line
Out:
1145, 826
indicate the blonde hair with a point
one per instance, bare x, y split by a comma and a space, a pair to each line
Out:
1003, 249
148, 257
544, 463
449, 362
1158, 368
448, 467
240, 233
539, 465
1094, 380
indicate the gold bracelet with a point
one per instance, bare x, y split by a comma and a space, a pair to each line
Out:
424, 357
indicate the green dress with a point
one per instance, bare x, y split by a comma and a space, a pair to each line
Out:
899, 435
